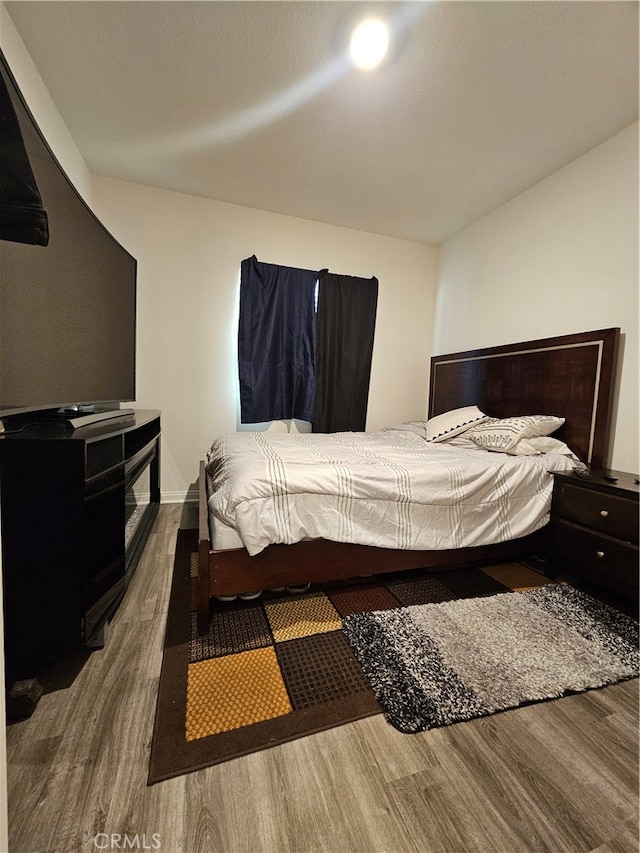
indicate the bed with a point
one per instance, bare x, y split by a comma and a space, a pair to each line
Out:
570, 376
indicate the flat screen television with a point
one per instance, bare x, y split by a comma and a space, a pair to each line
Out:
67, 308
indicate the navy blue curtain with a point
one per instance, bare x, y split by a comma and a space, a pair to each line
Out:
276, 342
345, 329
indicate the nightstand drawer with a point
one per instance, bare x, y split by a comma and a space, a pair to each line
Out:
596, 554
607, 513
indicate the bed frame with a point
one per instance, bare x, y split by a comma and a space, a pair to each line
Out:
571, 376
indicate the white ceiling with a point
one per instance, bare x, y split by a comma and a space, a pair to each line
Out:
254, 102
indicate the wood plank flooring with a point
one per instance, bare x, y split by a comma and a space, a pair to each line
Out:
557, 776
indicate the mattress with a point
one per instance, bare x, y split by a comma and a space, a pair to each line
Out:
389, 489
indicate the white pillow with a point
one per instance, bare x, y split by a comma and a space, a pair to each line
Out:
502, 434
540, 444
453, 422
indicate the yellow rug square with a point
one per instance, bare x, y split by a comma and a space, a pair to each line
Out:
310, 614
516, 576
233, 691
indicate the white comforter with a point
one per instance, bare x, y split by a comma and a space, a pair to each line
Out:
390, 489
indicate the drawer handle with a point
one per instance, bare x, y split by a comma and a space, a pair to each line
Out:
600, 554
604, 513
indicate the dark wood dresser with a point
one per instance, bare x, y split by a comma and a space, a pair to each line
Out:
594, 529
76, 509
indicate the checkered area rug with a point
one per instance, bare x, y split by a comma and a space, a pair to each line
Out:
280, 667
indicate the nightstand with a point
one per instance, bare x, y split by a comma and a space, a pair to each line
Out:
594, 529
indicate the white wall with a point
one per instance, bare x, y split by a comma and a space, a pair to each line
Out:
560, 258
189, 251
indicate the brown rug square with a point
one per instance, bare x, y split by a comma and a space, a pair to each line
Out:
320, 669
419, 589
232, 629
358, 598
279, 667
470, 583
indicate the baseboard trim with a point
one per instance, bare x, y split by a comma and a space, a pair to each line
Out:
189, 496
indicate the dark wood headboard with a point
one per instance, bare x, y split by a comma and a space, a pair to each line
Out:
571, 376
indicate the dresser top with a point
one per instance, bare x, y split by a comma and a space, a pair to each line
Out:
605, 478
57, 429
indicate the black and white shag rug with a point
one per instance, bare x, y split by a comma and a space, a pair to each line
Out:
434, 664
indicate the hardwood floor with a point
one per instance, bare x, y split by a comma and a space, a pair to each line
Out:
557, 776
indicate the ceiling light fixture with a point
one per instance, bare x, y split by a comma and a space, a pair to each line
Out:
369, 43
